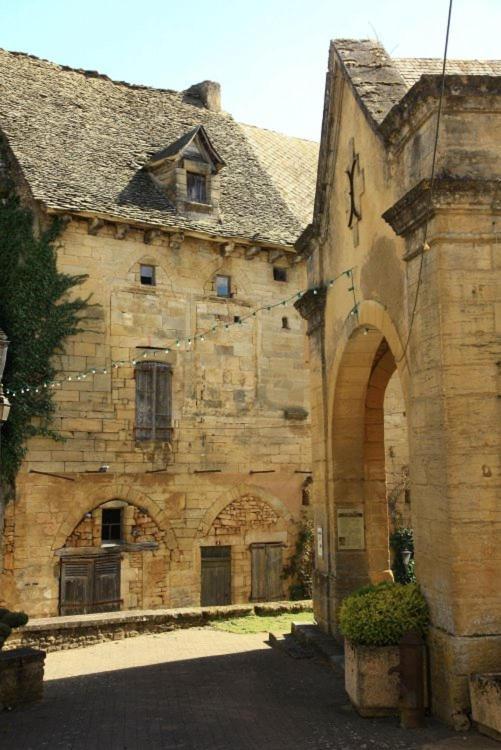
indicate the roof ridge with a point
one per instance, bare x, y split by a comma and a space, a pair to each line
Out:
277, 132
450, 60
87, 73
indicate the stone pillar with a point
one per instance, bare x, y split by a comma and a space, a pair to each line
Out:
455, 425
312, 307
21, 677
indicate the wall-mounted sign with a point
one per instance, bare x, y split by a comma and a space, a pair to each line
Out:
320, 542
350, 528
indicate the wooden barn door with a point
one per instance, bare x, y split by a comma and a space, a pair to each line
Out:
216, 576
89, 584
267, 570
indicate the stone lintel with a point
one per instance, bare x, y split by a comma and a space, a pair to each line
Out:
419, 205
311, 306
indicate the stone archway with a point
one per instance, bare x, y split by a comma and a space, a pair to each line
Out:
358, 498
94, 496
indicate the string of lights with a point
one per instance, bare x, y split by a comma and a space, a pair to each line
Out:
185, 343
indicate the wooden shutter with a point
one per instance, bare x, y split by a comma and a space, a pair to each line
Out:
163, 402
106, 597
76, 586
266, 569
153, 401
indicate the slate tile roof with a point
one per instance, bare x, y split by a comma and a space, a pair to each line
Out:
82, 141
381, 81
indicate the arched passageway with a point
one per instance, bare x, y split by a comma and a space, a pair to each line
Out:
360, 515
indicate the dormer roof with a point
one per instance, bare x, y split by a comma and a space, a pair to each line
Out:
176, 150
83, 144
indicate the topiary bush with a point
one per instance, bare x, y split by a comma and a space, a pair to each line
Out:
8, 621
380, 615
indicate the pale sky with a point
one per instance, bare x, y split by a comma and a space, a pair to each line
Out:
269, 56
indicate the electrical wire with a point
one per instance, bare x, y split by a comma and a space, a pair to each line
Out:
432, 183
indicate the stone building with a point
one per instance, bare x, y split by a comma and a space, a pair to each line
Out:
436, 251
185, 405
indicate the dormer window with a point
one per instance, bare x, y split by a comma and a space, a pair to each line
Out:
188, 172
196, 187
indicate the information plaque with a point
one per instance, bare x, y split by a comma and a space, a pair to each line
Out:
350, 528
320, 542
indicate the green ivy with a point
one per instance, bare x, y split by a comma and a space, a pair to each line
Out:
300, 567
37, 315
403, 539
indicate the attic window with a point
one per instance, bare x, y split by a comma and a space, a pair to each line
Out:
147, 275
279, 274
223, 286
196, 187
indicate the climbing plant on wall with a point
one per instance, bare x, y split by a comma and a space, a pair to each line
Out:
37, 315
300, 566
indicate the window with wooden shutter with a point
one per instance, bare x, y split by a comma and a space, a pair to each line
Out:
153, 401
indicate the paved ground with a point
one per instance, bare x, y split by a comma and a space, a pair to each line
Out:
201, 689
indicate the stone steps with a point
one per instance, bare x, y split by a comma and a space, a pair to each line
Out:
310, 636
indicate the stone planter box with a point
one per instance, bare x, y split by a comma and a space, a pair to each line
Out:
21, 677
485, 693
372, 691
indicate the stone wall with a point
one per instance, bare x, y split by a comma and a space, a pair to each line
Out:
396, 448
61, 633
232, 396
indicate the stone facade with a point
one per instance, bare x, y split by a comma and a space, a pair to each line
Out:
373, 206
232, 468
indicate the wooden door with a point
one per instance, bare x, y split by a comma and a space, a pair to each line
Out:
89, 584
267, 567
216, 576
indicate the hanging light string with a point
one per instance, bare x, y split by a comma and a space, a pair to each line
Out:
187, 341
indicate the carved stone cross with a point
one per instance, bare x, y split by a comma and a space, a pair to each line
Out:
356, 188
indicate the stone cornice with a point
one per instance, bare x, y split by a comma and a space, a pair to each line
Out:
418, 206
424, 94
311, 306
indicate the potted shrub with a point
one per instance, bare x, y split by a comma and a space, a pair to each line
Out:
21, 669
373, 620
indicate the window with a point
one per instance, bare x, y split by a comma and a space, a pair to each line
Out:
153, 401
223, 286
279, 274
196, 187
147, 275
111, 525
285, 323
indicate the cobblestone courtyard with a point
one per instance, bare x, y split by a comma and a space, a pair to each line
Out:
201, 689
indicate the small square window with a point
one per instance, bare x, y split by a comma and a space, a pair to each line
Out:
111, 525
279, 274
147, 275
196, 187
223, 286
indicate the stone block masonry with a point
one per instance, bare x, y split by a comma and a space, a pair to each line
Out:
21, 677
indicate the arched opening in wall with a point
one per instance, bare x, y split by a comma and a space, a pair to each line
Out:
361, 517
396, 446
115, 558
243, 553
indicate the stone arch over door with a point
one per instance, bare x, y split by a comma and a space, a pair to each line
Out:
91, 496
235, 493
248, 522
365, 362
